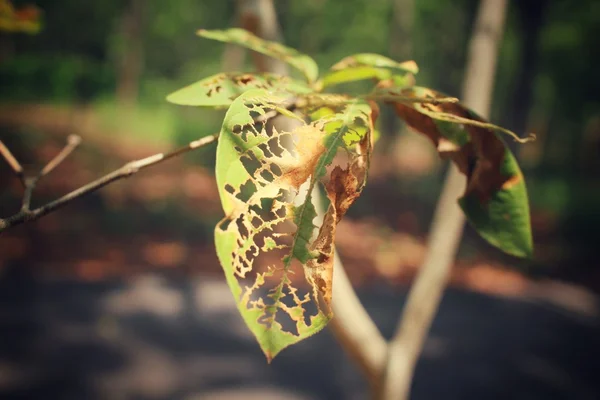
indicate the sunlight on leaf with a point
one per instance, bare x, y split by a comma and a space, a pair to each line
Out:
220, 90
302, 62
375, 60
495, 200
370, 66
269, 238
355, 74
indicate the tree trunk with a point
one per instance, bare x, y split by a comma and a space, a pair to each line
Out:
259, 17
234, 56
426, 292
132, 54
531, 18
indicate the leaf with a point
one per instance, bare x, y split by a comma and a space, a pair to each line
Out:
415, 95
355, 74
269, 237
495, 200
375, 60
370, 66
221, 89
300, 61
26, 19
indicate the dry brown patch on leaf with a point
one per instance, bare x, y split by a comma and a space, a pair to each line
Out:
479, 159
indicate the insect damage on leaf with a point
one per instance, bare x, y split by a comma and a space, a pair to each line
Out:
269, 238
495, 199
221, 89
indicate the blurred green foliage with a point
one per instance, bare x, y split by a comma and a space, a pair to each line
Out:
75, 60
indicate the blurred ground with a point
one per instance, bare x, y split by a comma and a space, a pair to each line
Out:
177, 338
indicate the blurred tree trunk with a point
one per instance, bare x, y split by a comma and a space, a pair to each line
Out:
131, 55
530, 18
234, 56
260, 18
446, 230
400, 49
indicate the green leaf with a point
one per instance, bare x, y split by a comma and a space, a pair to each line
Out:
300, 61
495, 200
355, 74
269, 237
220, 90
370, 66
504, 220
375, 60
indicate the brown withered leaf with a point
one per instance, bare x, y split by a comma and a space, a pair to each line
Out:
495, 199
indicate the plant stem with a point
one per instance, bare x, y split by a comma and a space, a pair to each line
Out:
132, 167
446, 230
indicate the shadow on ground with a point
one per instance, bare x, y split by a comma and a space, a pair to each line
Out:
162, 338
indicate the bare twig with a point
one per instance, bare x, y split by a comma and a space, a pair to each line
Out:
30, 182
446, 231
12, 162
125, 171
72, 142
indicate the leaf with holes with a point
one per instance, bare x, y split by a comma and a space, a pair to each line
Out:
300, 61
495, 200
220, 90
269, 238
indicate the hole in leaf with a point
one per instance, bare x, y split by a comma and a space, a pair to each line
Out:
251, 163
229, 189
241, 227
267, 176
275, 170
288, 143
275, 147
265, 150
256, 222
247, 190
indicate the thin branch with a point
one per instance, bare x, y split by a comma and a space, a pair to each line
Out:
426, 292
72, 142
31, 182
446, 230
12, 162
125, 171
355, 330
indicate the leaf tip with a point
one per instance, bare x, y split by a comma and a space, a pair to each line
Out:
269, 357
530, 138
411, 66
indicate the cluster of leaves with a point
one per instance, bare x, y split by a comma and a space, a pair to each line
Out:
267, 173
25, 19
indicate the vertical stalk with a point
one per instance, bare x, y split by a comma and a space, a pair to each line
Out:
446, 230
